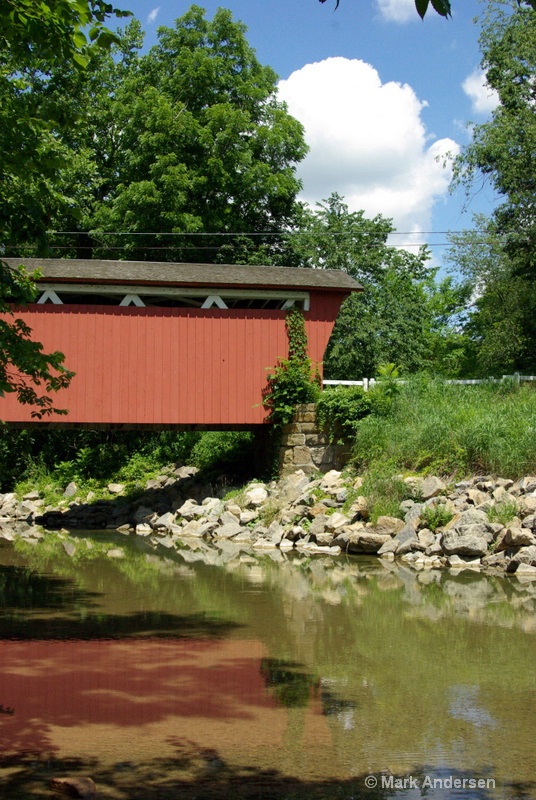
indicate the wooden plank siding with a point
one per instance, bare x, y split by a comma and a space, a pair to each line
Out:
167, 366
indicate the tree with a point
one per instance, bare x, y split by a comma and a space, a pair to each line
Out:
34, 38
443, 7
390, 321
501, 323
54, 30
500, 260
189, 138
503, 150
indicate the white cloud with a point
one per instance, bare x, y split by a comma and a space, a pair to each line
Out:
151, 17
397, 10
484, 99
367, 142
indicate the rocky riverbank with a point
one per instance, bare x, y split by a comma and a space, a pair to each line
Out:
482, 523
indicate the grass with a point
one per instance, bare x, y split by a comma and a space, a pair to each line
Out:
384, 492
48, 465
453, 430
503, 512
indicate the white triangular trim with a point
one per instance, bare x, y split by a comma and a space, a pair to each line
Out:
132, 300
50, 296
214, 300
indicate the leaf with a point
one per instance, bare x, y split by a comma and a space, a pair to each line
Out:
442, 7
422, 7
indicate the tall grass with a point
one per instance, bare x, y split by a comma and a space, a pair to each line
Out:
434, 427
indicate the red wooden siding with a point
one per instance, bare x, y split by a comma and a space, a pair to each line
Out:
168, 366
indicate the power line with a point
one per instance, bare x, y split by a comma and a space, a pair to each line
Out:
262, 233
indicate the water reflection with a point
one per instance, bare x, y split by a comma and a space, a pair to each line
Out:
217, 670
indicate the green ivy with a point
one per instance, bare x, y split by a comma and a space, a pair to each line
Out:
340, 409
293, 380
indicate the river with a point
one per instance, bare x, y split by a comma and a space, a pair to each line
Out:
217, 672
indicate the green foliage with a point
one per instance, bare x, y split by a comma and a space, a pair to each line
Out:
292, 380
224, 452
24, 368
450, 429
442, 7
436, 516
384, 492
391, 319
339, 409
503, 512
35, 38
501, 325
54, 29
502, 152
188, 138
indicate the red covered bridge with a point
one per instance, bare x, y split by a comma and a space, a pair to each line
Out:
166, 344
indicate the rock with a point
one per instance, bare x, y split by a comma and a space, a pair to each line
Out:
228, 530
472, 516
389, 525
431, 487
361, 541
318, 525
143, 529
70, 490
228, 518
518, 537
525, 555
248, 516
190, 509
143, 514
116, 552
527, 504
360, 508
336, 521
414, 512
455, 562
69, 548
526, 485
526, 571
116, 488
476, 497
407, 538
256, 496
74, 786
31, 496
331, 478
389, 548
466, 544
342, 496
426, 537
164, 522
495, 560
264, 544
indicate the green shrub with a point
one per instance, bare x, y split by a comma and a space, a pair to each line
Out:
436, 516
339, 409
293, 380
224, 451
503, 512
384, 492
450, 429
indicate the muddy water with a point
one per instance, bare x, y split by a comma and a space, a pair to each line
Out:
221, 673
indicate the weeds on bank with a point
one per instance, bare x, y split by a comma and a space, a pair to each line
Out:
384, 492
436, 516
503, 512
453, 430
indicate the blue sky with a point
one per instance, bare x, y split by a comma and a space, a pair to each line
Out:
383, 97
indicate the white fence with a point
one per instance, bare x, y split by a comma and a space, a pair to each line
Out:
367, 383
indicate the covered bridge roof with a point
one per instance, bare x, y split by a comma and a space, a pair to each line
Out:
178, 274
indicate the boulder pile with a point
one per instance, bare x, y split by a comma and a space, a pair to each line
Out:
483, 523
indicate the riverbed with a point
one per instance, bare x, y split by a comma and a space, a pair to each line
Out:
214, 671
